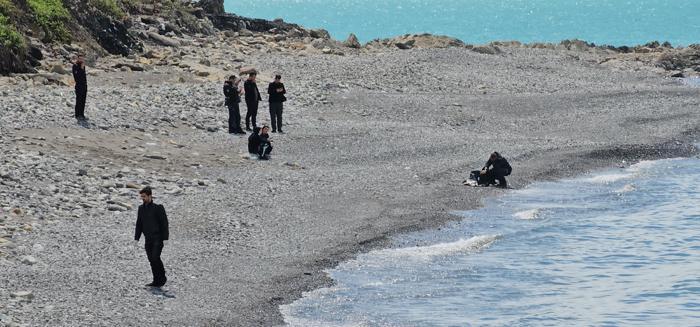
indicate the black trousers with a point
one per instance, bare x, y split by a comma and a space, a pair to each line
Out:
251, 114
153, 250
491, 177
276, 115
80, 98
265, 150
234, 118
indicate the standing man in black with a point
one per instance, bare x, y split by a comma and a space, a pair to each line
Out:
233, 98
80, 78
152, 222
252, 98
276, 91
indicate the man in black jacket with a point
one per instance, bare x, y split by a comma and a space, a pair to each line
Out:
252, 98
80, 78
152, 222
501, 169
259, 143
276, 91
233, 98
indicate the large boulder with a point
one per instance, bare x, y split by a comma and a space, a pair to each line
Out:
12, 62
681, 59
353, 42
212, 7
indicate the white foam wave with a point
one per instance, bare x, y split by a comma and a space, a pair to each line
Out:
528, 214
609, 178
627, 188
473, 244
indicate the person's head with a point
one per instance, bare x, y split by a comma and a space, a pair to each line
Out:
265, 129
495, 155
252, 76
278, 78
80, 59
232, 79
146, 194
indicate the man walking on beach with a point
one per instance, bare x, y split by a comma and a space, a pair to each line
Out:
252, 98
233, 98
152, 222
276, 91
80, 78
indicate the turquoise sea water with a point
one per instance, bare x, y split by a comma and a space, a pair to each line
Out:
613, 22
620, 248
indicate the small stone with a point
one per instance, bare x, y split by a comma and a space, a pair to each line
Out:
133, 185
115, 207
82, 172
155, 157
29, 260
22, 295
221, 180
202, 183
18, 211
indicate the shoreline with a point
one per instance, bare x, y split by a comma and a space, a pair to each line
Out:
596, 160
367, 155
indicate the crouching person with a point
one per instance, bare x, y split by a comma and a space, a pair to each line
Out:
496, 169
259, 143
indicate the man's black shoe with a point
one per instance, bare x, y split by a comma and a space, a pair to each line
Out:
151, 284
248, 129
274, 131
281, 132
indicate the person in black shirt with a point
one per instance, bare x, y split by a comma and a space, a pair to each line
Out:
265, 144
259, 143
501, 169
152, 222
80, 78
233, 98
276, 91
252, 98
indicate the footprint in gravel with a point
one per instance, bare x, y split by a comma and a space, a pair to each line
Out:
161, 292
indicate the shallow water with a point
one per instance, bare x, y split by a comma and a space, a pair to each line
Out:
615, 22
613, 249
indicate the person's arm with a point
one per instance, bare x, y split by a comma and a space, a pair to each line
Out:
75, 72
137, 234
284, 91
163, 222
258, 92
271, 89
486, 166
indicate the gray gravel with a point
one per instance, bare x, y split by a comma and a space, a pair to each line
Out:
376, 144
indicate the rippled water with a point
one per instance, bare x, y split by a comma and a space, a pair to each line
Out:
615, 22
619, 248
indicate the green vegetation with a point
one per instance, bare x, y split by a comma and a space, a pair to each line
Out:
7, 8
109, 7
52, 16
9, 36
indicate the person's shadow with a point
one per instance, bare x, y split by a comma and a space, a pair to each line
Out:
161, 292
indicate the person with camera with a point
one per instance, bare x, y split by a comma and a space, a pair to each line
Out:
276, 91
81, 87
233, 98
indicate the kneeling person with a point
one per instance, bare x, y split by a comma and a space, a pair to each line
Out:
259, 143
501, 169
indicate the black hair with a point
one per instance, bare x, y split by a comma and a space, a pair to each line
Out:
232, 77
253, 73
278, 76
146, 190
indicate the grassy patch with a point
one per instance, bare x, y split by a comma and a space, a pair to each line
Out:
109, 7
9, 37
8, 9
52, 16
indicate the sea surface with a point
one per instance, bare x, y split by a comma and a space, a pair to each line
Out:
620, 247
613, 22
